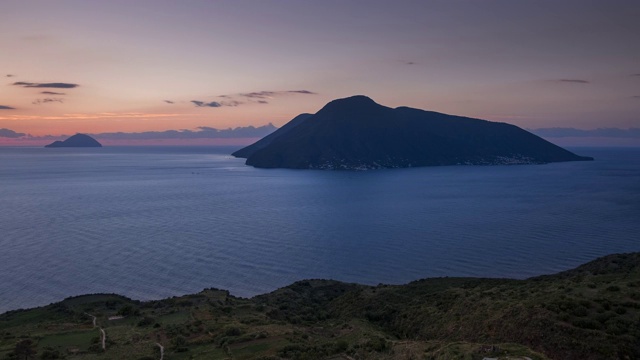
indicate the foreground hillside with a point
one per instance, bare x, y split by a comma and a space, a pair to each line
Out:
591, 312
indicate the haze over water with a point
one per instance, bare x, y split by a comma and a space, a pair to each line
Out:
150, 223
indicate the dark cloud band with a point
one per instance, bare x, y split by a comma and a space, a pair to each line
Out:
255, 97
199, 103
575, 81
6, 133
4, 107
45, 101
45, 85
270, 94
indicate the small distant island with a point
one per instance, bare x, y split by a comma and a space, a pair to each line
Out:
77, 140
356, 133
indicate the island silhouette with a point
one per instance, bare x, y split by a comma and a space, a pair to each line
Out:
356, 133
77, 140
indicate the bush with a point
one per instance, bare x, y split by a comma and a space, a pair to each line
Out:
179, 342
580, 311
587, 324
233, 331
377, 344
126, 310
146, 321
49, 353
341, 346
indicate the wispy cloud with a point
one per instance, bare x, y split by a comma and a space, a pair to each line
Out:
216, 104
635, 74
232, 103
10, 75
51, 93
7, 133
306, 92
575, 81
4, 107
271, 94
257, 94
199, 103
257, 97
45, 85
45, 101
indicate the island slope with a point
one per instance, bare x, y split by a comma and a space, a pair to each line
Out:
358, 133
77, 140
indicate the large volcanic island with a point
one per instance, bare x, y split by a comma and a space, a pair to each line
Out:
356, 133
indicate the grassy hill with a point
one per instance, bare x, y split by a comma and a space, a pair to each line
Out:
591, 312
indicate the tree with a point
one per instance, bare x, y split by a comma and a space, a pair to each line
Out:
25, 349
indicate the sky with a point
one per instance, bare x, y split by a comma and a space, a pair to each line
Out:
150, 66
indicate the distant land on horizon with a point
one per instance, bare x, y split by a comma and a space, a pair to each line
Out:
356, 133
243, 136
77, 140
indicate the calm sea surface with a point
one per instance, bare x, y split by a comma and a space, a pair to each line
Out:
150, 223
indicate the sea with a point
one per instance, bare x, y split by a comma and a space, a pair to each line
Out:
156, 222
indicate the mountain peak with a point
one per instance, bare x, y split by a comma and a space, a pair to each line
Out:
355, 99
352, 103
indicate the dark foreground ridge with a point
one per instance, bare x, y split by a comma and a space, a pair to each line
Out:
77, 140
356, 133
591, 312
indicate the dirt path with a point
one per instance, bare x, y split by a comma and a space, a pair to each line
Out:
94, 319
161, 351
103, 335
104, 339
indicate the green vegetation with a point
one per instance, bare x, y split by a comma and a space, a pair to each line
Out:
591, 312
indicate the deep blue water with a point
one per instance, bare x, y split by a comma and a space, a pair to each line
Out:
156, 222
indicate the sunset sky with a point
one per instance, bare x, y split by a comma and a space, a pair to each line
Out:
135, 66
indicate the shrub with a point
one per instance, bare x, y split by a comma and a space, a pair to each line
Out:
580, 311
126, 310
146, 321
179, 342
587, 324
341, 346
49, 353
233, 331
